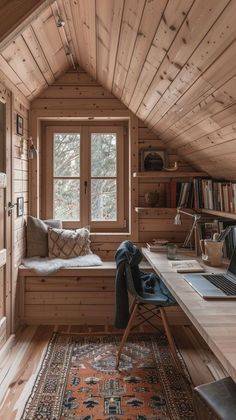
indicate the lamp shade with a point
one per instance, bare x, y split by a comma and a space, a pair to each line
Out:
32, 152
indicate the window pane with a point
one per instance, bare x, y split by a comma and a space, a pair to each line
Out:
103, 200
67, 199
103, 154
66, 154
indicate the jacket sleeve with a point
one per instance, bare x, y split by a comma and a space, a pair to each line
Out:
122, 299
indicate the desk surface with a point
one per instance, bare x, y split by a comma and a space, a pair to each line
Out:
215, 320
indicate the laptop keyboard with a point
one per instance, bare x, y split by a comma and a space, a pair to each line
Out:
224, 284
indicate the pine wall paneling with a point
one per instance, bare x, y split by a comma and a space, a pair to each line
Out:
19, 166
75, 94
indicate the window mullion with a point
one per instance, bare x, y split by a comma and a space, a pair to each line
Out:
84, 179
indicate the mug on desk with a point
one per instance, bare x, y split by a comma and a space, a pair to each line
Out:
212, 252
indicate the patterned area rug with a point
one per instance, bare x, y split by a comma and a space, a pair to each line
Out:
78, 381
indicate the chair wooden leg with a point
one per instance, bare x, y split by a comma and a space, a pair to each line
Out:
133, 310
170, 338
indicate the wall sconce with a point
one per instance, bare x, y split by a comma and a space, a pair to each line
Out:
178, 221
32, 151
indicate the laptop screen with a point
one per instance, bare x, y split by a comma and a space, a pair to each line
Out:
232, 264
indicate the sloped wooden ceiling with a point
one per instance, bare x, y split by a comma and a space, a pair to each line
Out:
172, 62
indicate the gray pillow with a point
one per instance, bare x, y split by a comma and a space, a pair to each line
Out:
37, 235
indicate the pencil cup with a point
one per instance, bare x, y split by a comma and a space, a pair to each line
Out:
212, 252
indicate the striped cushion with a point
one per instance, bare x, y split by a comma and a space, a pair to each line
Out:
64, 243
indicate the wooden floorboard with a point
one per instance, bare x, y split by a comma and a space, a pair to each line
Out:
23, 362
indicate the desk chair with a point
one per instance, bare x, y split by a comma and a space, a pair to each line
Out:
153, 307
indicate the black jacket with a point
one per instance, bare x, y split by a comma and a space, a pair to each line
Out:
145, 283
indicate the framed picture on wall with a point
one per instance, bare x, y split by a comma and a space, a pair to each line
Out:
19, 124
152, 160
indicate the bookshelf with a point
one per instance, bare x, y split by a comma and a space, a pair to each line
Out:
215, 197
218, 213
167, 175
166, 178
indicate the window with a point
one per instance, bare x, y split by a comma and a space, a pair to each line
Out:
84, 176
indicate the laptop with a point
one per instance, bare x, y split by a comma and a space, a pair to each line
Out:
215, 286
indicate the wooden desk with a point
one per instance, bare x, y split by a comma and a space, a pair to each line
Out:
215, 320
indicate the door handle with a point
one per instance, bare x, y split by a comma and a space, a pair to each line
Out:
9, 208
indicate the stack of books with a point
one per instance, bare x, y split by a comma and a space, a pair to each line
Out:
157, 245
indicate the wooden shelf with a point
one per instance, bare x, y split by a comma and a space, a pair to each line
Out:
154, 209
219, 213
163, 174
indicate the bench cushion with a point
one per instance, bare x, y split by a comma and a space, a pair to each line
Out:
37, 235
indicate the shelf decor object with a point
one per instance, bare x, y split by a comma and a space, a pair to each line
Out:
151, 198
172, 169
178, 221
152, 159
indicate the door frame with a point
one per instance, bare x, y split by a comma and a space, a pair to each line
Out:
6, 98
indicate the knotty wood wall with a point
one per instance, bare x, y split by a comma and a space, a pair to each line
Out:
19, 164
76, 94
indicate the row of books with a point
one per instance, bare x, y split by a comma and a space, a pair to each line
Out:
181, 194
214, 195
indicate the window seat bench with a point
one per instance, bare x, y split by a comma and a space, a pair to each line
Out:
81, 295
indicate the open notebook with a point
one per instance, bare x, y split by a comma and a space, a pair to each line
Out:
216, 286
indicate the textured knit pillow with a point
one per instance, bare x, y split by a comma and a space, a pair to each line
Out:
37, 235
63, 243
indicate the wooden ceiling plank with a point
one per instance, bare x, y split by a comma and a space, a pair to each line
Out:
13, 77
38, 54
132, 16
89, 92
85, 104
16, 15
218, 73
20, 59
150, 21
218, 100
83, 14
207, 126
215, 154
192, 97
212, 46
50, 41
200, 18
175, 14
209, 140
65, 8
11, 86
108, 17
64, 33
74, 78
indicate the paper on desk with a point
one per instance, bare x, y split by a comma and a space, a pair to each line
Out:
187, 266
